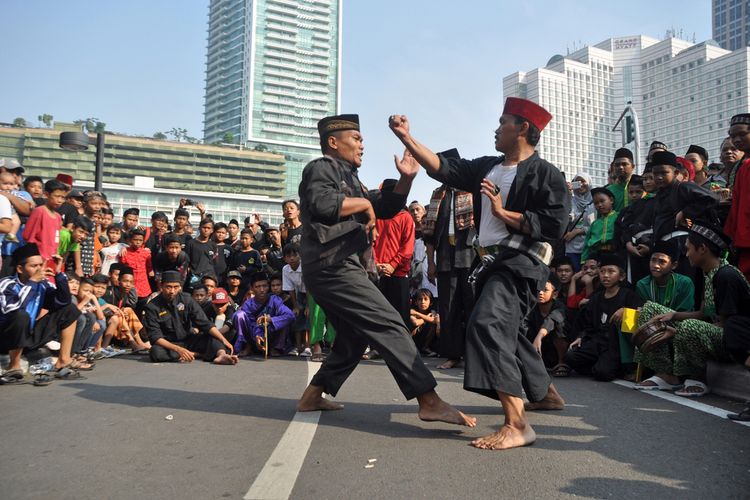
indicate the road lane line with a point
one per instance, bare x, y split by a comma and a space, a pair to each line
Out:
278, 476
690, 403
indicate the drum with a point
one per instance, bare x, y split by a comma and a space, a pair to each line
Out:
652, 335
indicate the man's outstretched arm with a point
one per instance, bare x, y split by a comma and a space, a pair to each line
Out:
399, 124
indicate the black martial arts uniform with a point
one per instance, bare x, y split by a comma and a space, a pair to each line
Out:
599, 352
633, 225
332, 269
499, 357
732, 299
174, 322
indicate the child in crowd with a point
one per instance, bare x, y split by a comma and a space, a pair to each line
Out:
8, 185
425, 322
583, 284
600, 233
138, 257
596, 351
44, 224
564, 271
546, 328
182, 227
202, 251
628, 224
222, 314
263, 314
173, 258
292, 283
111, 251
669, 289
237, 293
223, 252
34, 185
246, 259
125, 298
200, 295
91, 323
70, 240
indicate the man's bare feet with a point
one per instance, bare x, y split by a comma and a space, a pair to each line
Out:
312, 400
451, 363
434, 409
506, 438
552, 402
225, 359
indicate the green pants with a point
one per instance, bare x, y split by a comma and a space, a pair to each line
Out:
320, 328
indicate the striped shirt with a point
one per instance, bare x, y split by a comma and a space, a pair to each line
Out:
32, 296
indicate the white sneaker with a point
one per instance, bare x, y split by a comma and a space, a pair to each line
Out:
306, 353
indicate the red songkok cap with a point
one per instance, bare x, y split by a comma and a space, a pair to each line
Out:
528, 110
65, 178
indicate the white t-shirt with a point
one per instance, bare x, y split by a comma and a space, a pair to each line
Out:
6, 212
292, 279
492, 229
110, 255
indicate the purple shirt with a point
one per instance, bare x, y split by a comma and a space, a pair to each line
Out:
245, 319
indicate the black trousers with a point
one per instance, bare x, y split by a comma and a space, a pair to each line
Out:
396, 291
362, 316
205, 344
17, 332
455, 303
737, 337
499, 357
599, 358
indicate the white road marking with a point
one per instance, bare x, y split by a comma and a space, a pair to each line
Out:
278, 476
690, 403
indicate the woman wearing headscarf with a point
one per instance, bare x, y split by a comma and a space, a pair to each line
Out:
581, 210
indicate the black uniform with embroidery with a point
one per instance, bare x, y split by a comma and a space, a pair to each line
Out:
333, 273
499, 357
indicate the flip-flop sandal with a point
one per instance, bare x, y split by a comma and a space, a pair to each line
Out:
318, 357
14, 373
67, 373
659, 385
561, 370
5, 380
743, 416
684, 392
42, 380
77, 365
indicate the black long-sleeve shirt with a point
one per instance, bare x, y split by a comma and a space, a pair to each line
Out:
686, 197
174, 320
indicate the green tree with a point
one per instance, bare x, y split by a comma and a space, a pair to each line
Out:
46, 119
92, 125
160, 136
228, 138
261, 147
19, 122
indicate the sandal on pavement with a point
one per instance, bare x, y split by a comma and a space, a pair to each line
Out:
67, 373
81, 366
743, 416
42, 380
318, 357
561, 370
14, 373
687, 393
659, 384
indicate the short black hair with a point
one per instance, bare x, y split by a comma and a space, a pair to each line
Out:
248, 231
697, 241
100, 279
233, 221
181, 212
274, 277
296, 203
72, 276
533, 135
32, 178
206, 221
562, 260
259, 276
137, 231
209, 277
219, 225
131, 211
200, 286
87, 281
84, 223
290, 249
55, 185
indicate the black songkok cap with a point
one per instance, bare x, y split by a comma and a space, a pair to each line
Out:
126, 270
668, 247
741, 119
554, 281
699, 150
712, 233
658, 145
664, 158
624, 153
635, 180
170, 277
610, 259
649, 168
602, 190
131, 211
22, 253
388, 185
331, 124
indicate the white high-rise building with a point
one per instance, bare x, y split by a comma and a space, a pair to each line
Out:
272, 71
683, 93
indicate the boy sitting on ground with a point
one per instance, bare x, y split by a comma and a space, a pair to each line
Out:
124, 298
546, 328
260, 316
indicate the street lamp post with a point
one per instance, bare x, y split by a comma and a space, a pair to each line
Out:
629, 112
79, 141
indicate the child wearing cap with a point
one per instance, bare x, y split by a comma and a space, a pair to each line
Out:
236, 292
596, 351
546, 328
600, 233
222, 313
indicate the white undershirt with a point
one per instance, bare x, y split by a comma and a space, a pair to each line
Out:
492, 229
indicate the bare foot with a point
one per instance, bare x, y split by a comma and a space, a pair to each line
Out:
552, 402
451, 363
312, 400
224, 359
505, 438
440, 411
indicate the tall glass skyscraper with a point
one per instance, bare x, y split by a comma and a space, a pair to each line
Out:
730, 20
273, 70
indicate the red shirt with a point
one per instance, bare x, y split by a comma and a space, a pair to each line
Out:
737, 226
395, 243
140, 261
43, 228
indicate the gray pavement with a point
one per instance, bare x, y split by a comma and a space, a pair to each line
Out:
108, 437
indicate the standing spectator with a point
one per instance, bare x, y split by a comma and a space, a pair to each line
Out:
293, 284
600, 234
181, 226
698, 156
393, 250
173, 258
70, 243
622, 168
155, 236
731, 157
581, 214
275, 256
246, 259
418, 276
111, 252
72, 208
291, 228
233, 227
138, 258
223, 252
6, 215
202, 251
44, 224
736, 226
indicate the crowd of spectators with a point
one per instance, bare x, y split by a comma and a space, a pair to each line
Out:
671, 244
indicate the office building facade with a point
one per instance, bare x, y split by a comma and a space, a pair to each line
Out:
683, 93
730, 23
273, 70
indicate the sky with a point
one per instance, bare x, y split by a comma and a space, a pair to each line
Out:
139, 65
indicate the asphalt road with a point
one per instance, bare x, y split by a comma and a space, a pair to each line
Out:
109, 437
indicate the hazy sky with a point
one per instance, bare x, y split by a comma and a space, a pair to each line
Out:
138, 65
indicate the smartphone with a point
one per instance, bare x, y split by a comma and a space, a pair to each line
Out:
575, 184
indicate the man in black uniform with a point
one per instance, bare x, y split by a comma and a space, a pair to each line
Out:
169, 320
338, 220
521, 204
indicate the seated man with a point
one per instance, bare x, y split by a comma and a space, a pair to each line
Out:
33, 312
168, 321
546, 328
261, 314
